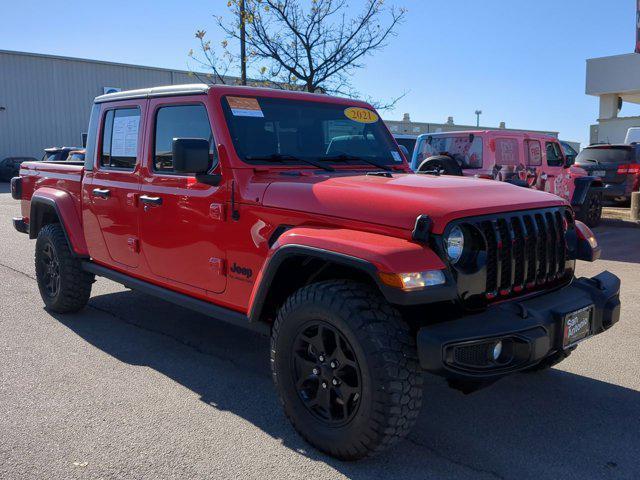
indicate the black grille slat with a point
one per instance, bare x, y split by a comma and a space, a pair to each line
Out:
553, 250
523, 250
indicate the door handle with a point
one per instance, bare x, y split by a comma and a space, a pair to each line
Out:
150, 200
102, 193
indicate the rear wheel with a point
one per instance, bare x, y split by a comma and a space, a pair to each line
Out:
64, 286
345, 367
591, 210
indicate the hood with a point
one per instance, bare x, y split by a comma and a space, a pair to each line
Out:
397, 201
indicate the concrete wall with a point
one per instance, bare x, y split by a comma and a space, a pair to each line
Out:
613, 130
45, 100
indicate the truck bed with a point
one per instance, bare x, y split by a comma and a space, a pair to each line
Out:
59, 175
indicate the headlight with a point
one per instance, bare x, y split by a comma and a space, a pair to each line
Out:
455, 244
414, 280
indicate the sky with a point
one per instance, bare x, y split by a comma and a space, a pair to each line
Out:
519, 61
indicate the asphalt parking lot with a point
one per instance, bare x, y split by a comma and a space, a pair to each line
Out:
133, 387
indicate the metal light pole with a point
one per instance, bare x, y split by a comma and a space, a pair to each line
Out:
243, 47
478, 113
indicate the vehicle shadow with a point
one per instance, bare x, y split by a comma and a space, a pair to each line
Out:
546, 425
5, 187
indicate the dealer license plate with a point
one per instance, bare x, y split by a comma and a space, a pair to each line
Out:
577, 326
599, 173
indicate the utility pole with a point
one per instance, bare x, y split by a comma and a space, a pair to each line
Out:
478, 113
243, 46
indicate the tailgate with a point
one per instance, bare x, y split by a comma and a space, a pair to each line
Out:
604, 162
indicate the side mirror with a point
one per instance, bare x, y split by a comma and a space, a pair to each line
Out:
405, 150
569, 160
190, 155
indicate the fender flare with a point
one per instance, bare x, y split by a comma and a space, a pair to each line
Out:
64, 205
352, 249
583, 185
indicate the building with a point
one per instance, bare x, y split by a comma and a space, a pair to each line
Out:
614, 80
45, 99
408, 127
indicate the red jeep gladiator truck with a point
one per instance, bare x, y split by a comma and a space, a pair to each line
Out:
297, 214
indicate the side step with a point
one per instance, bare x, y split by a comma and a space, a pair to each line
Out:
206, 308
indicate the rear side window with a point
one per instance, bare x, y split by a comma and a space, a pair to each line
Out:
554, 155
465, 149
120, 138
533, 152
507, 151
180, 121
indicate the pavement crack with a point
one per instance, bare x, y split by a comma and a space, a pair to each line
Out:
20, 272
441, 455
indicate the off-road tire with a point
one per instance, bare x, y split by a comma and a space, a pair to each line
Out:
386, 353
590, 211
441, 163
74, 287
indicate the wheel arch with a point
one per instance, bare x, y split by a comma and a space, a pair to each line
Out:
305, 255
54, 206
583, 185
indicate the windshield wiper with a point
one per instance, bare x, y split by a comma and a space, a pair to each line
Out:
343, 157
279, 157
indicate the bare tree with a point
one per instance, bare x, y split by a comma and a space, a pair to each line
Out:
314, 47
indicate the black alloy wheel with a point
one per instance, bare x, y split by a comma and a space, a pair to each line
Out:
326, 373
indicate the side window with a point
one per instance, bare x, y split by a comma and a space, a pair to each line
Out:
507, 151
180, 121
554, 155
533, 151
120, 138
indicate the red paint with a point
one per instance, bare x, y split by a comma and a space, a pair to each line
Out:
191, 244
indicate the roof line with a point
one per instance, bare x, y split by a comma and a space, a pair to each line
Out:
104, 62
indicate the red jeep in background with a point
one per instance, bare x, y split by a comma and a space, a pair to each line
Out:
297, 214
526, 159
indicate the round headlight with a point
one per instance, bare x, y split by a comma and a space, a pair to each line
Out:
455, 244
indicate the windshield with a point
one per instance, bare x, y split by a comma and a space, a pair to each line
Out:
465, 149
267, 130
605, 155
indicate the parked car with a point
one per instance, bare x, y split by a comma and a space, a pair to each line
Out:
406, 141
295, 214
56, 154
529, 160
10, 167
76, 156
618, 166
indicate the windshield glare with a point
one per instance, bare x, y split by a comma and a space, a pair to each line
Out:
267, 130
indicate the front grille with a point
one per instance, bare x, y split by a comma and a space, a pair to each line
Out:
523, 249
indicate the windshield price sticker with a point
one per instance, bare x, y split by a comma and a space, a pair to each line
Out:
361, 115
245, 107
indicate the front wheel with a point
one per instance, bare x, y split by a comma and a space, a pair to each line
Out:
591, 210
346, 370
64, 286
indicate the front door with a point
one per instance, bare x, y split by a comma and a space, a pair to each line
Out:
181, 220
556, 176
112, 192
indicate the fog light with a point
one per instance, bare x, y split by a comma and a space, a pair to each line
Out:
497, 351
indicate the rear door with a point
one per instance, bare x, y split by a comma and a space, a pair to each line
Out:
182, 221
113, 192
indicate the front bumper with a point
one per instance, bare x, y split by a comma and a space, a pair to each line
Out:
530, 329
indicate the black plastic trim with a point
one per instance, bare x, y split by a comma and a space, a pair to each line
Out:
16, 188
583, 185
393, 295
20, 225
36, 220
206, 308
541, 330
